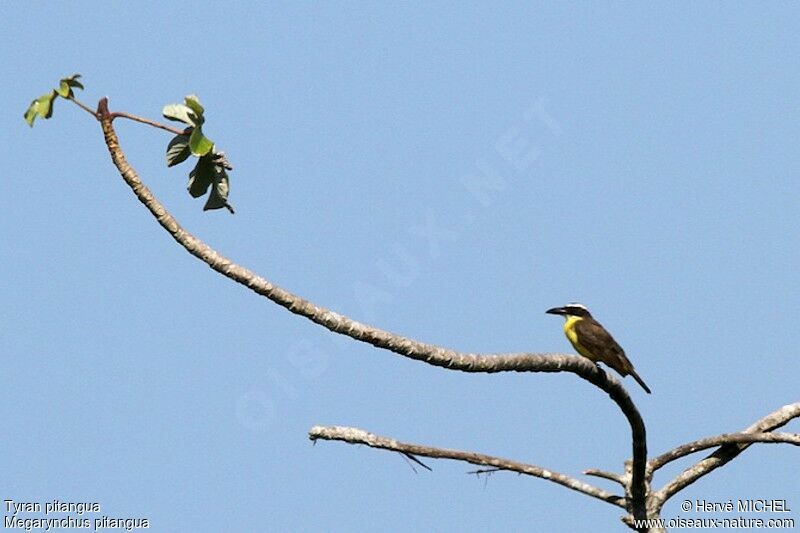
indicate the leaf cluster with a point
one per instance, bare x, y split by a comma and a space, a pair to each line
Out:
43, 106
210, 171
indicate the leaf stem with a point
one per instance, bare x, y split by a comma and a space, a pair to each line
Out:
149, 122
83, 106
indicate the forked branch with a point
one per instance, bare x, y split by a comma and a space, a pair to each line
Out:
725, 453
726, 438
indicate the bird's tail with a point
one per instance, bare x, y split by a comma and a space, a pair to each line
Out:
640, 381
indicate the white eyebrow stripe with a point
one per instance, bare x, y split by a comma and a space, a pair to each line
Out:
576, 304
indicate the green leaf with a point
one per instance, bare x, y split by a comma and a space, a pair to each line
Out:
179, 113
42, 106
178, 150
32, 112
210, 172
194, 103
219, 192
64, 90
46, 104
72, 81
199, 143
65, 85
201, 177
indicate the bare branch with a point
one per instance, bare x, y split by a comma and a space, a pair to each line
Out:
428, 353
605, 475
724, 454
726, 438
359, 436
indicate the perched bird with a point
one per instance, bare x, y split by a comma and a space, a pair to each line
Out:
593, 341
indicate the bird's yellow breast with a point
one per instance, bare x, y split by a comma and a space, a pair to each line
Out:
572, 335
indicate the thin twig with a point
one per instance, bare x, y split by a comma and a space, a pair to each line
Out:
480, 471
120, 114
359, 436
83, 106
410, 457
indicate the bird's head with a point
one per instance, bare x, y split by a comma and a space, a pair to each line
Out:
572, 309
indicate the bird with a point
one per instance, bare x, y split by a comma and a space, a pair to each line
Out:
592, 341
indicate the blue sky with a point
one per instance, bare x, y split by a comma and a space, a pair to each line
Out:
644, 161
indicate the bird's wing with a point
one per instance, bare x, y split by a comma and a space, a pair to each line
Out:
602, 345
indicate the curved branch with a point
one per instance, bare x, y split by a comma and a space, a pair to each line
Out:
359, 436
431, 354
724, 454
726, 438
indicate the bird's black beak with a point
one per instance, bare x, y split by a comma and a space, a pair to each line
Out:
557, 311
